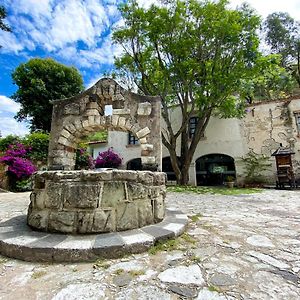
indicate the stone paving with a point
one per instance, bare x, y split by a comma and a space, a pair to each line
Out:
236, 247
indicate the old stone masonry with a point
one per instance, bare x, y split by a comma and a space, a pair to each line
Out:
236, 247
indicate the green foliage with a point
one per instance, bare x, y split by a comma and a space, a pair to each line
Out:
97, 136
3, 26
193, 54
283, 36
24, 185
83, 159
255, 165
9, 140
39, 143
39, 81
271, 82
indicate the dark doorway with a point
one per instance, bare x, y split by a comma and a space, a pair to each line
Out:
168, 169
134, 164
212, 169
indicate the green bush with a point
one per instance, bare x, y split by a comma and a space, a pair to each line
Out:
8, 140
39, 143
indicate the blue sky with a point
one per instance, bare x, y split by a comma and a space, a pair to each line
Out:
73, 32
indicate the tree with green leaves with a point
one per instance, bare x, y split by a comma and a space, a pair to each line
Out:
39, 81
271, 82
282, 34
3, 15
194, 55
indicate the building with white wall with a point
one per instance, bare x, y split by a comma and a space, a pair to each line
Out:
219, 153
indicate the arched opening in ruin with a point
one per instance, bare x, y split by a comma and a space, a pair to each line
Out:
134, 164
212, 169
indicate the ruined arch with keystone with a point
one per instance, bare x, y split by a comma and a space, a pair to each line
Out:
83, 114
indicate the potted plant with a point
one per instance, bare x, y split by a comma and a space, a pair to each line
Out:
108, 159
230, 181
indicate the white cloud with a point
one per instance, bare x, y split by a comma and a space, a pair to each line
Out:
9, 125
8, 105
266, 7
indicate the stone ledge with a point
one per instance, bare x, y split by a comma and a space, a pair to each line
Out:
21, 242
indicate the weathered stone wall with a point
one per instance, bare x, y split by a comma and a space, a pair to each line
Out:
90, 201
78, 116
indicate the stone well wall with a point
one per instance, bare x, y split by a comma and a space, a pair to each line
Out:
91, 201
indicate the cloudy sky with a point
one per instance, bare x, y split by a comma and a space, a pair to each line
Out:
73, 32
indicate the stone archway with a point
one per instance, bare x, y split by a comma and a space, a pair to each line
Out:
77, 116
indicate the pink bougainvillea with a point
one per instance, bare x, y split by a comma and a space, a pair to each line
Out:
108, 159
18, 164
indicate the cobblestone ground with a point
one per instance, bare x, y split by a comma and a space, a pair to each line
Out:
236, 247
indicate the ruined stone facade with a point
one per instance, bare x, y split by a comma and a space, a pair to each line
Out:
83, 114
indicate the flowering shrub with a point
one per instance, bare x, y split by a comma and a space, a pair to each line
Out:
108, 159
15, 158
83, 159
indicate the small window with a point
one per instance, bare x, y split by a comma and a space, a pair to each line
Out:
193, 122
132, 140
192, 126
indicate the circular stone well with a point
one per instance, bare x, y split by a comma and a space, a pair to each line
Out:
96, 202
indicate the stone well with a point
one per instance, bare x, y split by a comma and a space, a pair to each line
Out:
95, 202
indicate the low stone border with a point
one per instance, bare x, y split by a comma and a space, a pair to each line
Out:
18, 240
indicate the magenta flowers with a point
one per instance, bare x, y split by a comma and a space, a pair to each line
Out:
108, 159
18, 164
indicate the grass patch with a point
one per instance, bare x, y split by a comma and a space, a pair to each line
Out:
3, 260
119, 272
101, 264
183, 243
196, 259
38, 274
195, 218
213, 288
213, 190
136, 273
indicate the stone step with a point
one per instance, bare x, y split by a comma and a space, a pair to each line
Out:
18, 240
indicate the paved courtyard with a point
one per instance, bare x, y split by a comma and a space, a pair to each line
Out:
236, 247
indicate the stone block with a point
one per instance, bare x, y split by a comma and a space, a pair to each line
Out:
108, 121
92, 105
53, 195
126, 216
72, 109
97, 120
37, 199
148, 160
158, 208
144, 109
135, 128
143, 132
62, 140
65, 133
104, 221
145, 212
122, 122
85, 124
136, 191
81, 195
98, 221
71, 128
118, 97
121, 111
113, 193
146, 177
91, 112
147, 147
120, 175
38, 219
143, 141
62, 221
115, 120
91, 120
78, 124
